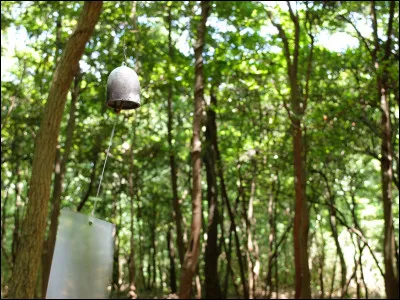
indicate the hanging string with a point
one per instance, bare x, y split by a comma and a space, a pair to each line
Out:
125, 24
104, 166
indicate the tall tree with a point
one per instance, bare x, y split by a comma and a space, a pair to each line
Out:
296, 113
212, 285
193, 249
29, 251
60, 168
389, 251
177, 214
381, 57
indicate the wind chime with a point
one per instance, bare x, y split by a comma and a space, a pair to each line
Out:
83, 255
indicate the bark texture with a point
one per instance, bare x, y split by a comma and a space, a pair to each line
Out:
212, 285
177, 214
193, 249
296, 113
60, 168
389, 252
22, 284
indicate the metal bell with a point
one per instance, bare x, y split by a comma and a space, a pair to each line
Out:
123, 89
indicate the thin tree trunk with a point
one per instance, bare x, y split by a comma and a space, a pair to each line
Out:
116, 275
275, 240
177, 215
276, 275
356, 278
132, 192
361, 248
301, 218
17, 213
23, 282
281, 240
149, 271
332, 224
391, 278
141, 254
171, 255
212, 285
391, 273
353, 209
18, 203
193, 251
229, 269
333, 277
233, 223
298, 107
3, 231
153, 247
231, 213
132, 180
271, 241
250, 245
60, 168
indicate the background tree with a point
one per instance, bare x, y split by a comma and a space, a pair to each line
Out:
246, 131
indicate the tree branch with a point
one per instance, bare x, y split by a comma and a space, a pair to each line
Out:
309, 63
292, 15
283, 36
374, 31
363, 39
389, 31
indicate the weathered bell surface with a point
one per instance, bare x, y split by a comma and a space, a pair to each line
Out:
123, 89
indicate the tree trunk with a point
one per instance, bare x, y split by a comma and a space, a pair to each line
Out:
153, 247
193, 251
333, 277
231, 213
229, 269
332, 224
171, 255
271, 242
29, 251
276, 251
360, 247
60, 168
296, 114
343, 268
3, 234
276, 244
116, 274
141, 251
18, 203
132, 192
391, 278
212, 285
177, 215
321, 263
154, 283
301, 219
132, 176
251, 246
391, 272
233, 223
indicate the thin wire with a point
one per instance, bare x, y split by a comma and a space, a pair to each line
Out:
104, 166
126, 22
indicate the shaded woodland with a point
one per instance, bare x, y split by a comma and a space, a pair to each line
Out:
262, 163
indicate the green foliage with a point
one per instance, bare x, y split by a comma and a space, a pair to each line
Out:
245, 67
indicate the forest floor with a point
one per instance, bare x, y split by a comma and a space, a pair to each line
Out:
259, 295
